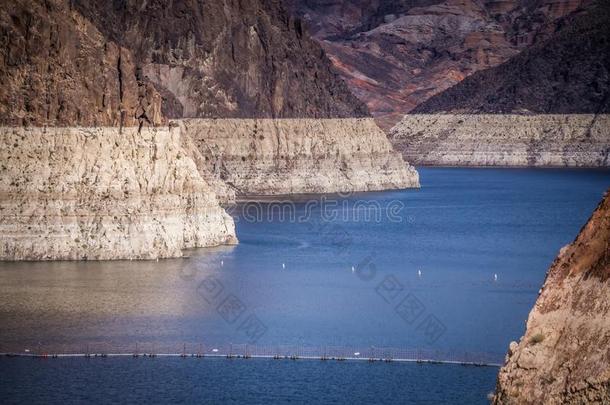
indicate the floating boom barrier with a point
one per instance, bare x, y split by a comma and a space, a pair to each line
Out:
280, 352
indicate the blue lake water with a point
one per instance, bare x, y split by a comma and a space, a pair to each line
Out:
411, 269
127, 380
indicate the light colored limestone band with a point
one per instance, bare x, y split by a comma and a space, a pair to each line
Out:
103, 193
570, 140
288, 156
110, 193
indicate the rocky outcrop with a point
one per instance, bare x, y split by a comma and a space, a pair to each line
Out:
103, 193
225, 58
58, 69
286, 156
576, 140
89, 171
138, 62
395, 54
567, 73
564, 356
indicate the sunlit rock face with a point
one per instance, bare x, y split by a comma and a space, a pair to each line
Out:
557, 140
564, 356
92, 167
287, 156
394, 55
103, 193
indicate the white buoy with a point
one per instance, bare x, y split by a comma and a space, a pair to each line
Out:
215, 350
222, 263
357, 354
353, 269
283, 265
495, 277
419, 273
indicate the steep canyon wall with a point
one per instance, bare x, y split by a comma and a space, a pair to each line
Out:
103, 193
564, 356
287, 156
93, 167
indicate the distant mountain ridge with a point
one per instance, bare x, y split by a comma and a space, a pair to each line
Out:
567, 73
394, 55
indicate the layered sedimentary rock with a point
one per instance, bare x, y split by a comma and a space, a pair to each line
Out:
395, 54
103, 193
88, 171
564, 356
285, 156
572, 140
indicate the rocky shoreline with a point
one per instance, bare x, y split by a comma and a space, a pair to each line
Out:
564, 356
101, 193
299, 156
508, 140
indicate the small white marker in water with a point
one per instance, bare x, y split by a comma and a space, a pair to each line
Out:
357, 354
353, 269
419, 273
283, 265
495, 277
215, 350
222, 263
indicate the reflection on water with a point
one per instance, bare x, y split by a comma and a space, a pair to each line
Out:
343, 282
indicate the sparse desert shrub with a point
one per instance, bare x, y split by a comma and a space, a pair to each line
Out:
537, 338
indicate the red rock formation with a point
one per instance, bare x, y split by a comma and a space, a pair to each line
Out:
396, 54
569, 72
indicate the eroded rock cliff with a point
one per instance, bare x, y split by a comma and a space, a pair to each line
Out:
103, 193
58, 69
226, 58
285, 156
564, 356
395, 54
98, 62
88, 171
574, 140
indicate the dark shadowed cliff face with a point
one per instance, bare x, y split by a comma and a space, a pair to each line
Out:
567, 73
564, 356
98, 62
396, 54
226, 58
